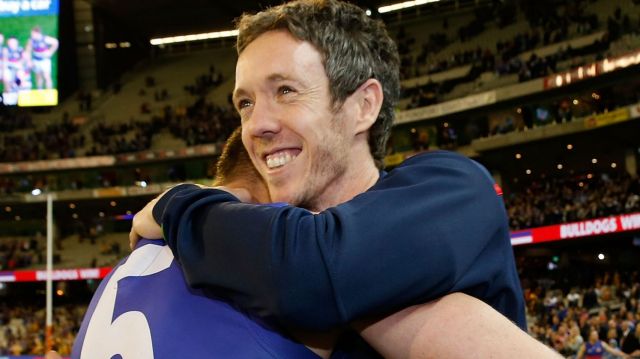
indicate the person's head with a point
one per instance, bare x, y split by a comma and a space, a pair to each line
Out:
36, 33
603, 316
316, 84
562, 328
593, 336
575, 331
625, 325
234, 169
12, 43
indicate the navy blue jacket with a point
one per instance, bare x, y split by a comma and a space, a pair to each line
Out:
432, 226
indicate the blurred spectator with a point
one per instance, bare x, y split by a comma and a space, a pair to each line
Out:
630, 340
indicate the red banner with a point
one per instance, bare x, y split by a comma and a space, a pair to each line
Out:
57, 274
590, 228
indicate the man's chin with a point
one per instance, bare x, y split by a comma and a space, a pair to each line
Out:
281, 195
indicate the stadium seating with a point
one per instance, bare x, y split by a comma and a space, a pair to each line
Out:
177, 102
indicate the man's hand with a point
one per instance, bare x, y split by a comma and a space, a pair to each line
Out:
144, 225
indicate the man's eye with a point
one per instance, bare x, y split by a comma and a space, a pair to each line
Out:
285, 90
244, 104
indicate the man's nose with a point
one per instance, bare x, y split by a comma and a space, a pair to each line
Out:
265, 119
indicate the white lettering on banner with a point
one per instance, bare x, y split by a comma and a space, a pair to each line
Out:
40, 4
92, 273
12, 7
7, 278
630, 222
588, 228
60, 274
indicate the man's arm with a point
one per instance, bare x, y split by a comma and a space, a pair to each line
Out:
53, 42
454, 326
432, 226
614, 351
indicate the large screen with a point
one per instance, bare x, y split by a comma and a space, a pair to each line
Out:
29, 56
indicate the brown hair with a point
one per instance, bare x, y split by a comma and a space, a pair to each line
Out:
234, 162
354, 48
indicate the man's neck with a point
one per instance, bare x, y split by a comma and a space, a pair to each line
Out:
361, 175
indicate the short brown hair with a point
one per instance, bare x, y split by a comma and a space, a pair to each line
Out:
354, 48
234, 162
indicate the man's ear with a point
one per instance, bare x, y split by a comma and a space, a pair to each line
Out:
369, 96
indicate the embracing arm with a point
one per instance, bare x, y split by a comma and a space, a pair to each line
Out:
431, 226
454, 326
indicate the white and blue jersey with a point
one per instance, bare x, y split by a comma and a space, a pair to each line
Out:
40, 48
14, 57
145, 309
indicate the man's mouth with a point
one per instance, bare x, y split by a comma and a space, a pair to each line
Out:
281, 157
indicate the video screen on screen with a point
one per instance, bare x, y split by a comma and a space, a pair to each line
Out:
29, 52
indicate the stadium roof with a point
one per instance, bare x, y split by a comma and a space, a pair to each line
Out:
153, 18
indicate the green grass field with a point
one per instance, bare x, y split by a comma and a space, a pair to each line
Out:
21, 26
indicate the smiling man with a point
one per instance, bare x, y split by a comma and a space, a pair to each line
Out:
316, 84
296, 136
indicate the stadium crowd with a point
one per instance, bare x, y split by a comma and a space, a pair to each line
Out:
20, 253
22, 329
553, 200
12, 120
565, 318
64, 137
204, 122
562, 318
547, 26
201, 122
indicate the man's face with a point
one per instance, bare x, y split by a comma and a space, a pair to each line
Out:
296, 142
36, 35
12, 43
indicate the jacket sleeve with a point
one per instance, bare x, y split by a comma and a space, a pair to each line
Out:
407, 240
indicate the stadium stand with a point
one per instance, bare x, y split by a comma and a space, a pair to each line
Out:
495, 58
571, 199
480, 80
21, 329
563, 318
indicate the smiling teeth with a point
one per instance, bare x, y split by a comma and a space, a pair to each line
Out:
278, 160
